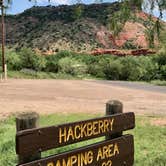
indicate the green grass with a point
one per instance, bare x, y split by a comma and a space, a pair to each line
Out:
150, 140
46, 75
158, 82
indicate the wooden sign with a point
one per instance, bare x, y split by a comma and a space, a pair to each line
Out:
115, 152
41, 139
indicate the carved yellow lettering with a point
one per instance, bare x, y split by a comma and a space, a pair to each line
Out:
62, 135
83, 159
95, 131
89, 129
73, 160
70, 134
99, 154
50, 164
83, 131
79, 160
58, 163
68, 162
90, 157
101, 126
116, 149
106, 126
105, 152
110, 151
77, 131
111, 124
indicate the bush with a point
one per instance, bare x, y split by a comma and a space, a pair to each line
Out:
148, 69
40, 63
52, 60
64, 53
72, 66
113, 70
95, 67
130, 68
52, 63
163, 72
30, 60
160, 58
13, 60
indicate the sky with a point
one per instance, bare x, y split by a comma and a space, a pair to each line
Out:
19, 6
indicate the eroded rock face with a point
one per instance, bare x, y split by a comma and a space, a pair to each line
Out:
132, 32
48, 29
137, 52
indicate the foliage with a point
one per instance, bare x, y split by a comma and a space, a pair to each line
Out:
77, 12
52, 63
148, 69
160, 58
129, 45
117, 20
131, 68
72, 66
31, 60
13, 60
113, 70
153, 31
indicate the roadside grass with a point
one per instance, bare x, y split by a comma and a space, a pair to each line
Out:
158, 82
46, 75
149, 136
51, 75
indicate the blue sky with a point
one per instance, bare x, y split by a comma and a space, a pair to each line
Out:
19, 6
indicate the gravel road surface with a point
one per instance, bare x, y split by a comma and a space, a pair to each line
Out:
75, 96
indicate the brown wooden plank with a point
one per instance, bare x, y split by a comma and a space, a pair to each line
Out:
42, 139
115, 152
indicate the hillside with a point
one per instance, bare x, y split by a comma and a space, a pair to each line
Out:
50, 29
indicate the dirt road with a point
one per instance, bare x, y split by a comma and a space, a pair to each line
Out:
69, 96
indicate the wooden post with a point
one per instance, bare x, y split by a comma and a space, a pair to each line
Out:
27, 121
114, 107
5, 72
1, 78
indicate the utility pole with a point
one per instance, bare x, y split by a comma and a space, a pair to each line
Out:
3, 35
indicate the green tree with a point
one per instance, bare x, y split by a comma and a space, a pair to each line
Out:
77, 12
117, 20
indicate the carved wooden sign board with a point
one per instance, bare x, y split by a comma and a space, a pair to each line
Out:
114, 152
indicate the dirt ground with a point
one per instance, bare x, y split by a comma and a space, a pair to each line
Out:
74, 96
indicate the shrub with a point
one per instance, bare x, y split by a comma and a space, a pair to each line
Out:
130, 68
64, 53
163, 72
148, 69
40, 63
72, 66
87, 59
113, 70
95, 67
52, 63
52, 60
160, 58
30, 60
13, 60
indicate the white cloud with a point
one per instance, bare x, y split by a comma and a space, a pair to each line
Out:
57, 2
61, 1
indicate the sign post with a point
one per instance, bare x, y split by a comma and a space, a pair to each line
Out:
115, 150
